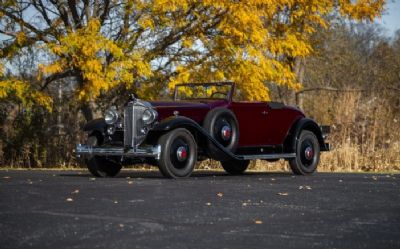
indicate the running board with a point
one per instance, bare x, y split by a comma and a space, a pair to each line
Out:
267, 156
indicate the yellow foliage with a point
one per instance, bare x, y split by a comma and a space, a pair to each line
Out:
21, 38
361, 9
255, 36
1, 70
86, 50
22, 92
251, 42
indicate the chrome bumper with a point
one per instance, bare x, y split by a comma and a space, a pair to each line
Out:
151, 151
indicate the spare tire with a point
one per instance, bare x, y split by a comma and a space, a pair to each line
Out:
222, 125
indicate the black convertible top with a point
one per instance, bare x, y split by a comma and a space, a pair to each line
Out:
276, 105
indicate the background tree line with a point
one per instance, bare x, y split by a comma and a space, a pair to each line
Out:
63, 62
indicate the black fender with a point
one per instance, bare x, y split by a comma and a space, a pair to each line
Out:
98, 124
174, 122
198, 131
294, 134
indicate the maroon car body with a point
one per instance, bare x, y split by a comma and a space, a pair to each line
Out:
273, 122
205, 122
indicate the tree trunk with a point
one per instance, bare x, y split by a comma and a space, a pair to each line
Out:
299, 68
85, 107
87, 110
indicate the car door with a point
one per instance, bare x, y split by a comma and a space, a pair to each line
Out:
253, 118
280, 120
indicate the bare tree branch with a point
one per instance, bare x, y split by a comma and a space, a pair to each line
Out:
57, 76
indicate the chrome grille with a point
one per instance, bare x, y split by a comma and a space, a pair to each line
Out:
138, 126
133, 125
128, 127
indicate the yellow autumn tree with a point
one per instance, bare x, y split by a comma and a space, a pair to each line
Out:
20, 91
148, 46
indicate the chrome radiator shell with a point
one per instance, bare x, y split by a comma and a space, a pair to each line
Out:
134, 127
128, 126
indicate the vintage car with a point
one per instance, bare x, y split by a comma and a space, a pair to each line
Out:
203, 121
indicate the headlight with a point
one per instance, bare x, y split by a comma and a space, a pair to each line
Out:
111, 116
149, 116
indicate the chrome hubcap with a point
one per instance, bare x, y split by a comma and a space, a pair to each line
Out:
181, 153
309, 153
226, 132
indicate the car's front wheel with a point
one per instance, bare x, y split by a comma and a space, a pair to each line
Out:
101, 166
307, 154
178, 153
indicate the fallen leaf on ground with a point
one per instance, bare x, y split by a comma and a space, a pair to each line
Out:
92, 178
121, 225
208, 204
305, 187
258, 222
69, 199
220, 194
130, 182
283, 193
244, 204
115, 202
375, 178
272, 179
76, 191
6, 177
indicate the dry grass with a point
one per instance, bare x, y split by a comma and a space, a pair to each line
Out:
365, 130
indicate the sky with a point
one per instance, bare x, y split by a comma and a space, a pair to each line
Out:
391, 18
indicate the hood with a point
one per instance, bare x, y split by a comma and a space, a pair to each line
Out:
177, 104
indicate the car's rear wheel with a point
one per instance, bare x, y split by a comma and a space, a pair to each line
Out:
235, 167
222, 125
178, 153
101, 166
307, 154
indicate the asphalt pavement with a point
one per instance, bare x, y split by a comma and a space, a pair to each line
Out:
71, 209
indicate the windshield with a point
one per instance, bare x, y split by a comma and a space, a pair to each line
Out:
203, 91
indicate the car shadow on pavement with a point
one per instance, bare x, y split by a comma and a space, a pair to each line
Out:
196, 174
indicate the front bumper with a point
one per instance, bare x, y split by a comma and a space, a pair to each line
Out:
150, 151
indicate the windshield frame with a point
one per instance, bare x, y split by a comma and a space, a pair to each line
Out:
207, 84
